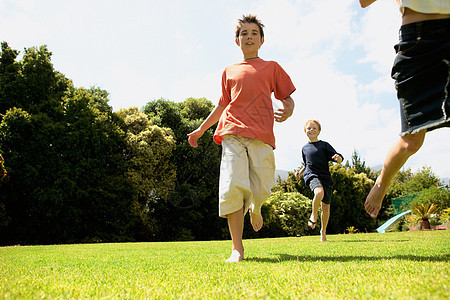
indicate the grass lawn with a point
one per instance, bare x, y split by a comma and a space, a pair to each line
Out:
404, 265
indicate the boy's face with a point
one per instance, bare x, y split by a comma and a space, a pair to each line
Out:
249, 40
312, 131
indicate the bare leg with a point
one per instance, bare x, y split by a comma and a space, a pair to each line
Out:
397, 156
325, 216
318, 196
236, 226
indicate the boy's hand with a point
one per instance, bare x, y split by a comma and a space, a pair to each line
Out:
194, 136
298, 174
337, 158
282, 114
365, 3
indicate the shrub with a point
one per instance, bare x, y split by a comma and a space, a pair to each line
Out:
293, 210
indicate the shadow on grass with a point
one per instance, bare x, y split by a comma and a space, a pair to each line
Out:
370, 241
302, 258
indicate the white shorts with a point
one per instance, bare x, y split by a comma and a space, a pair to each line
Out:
247, 174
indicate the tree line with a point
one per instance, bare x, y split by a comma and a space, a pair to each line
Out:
73, 170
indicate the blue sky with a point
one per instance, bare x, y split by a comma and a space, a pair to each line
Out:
338, 55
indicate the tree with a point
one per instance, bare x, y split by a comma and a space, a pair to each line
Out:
11, 83
149, 153
65, 154
359, 166
66, 182
423, 179
193, 205
31, 84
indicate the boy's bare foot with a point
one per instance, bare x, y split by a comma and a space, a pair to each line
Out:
256, 220
323, 237
312, 222
236, 256
374, 200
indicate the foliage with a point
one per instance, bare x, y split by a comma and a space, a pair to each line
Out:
424, 210
65, 157
440, 197
412, 220
77, 171
193, 204
406, 182
66, 182
351, 229
445, 216
347, 206
359, 166
423, 179
291, 209
3, 171
149, 149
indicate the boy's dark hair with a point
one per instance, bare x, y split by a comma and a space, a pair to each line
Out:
249, 19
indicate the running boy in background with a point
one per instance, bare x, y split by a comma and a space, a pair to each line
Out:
316, 173
245, 131
422, 78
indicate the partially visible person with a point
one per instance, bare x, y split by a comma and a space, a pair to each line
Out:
422, 75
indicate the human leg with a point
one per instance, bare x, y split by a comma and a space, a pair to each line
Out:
234, 192
325, 216
318, 196
406, 146
236, 227
262, 178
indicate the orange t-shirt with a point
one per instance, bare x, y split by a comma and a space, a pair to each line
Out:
246, 92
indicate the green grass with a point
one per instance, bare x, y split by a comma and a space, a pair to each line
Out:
405, 265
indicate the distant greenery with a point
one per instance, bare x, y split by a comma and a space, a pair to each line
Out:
408, 265
72, 170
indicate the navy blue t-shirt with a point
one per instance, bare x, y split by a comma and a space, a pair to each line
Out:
316, 156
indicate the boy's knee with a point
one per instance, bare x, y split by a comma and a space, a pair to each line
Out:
319, 192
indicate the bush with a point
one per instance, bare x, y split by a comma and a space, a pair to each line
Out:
292, 210
440, 197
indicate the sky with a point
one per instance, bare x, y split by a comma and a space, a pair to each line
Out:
338, 55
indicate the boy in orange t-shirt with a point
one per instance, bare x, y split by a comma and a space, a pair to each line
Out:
245, 131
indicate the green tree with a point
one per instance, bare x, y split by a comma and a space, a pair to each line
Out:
31, 84
193, 205
12, 88
66, 181
149, 153
434, 195
359, 166
65, 154
423, 179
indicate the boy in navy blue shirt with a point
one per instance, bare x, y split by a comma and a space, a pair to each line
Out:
316, 173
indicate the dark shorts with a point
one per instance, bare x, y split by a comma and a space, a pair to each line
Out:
328, 190
422, 75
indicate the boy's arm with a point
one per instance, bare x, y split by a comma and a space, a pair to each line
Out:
365, 3
212, 119
300, 173
282, 114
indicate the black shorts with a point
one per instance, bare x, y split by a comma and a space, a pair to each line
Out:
328, 190
422, 75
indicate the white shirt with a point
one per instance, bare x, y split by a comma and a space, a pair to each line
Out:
425, 6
